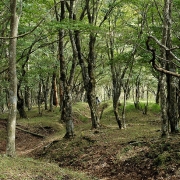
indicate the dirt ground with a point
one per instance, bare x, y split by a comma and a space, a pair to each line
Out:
102, 158
26, 142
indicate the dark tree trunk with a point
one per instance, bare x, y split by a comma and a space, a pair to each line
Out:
90, 89
27, 98
116, 82
20, 107
46, 92
40, 97
20, 103
158, 92
65, 81
53, 95
137, 91
88, 76
178, 97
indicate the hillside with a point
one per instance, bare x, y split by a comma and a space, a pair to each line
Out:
136, 152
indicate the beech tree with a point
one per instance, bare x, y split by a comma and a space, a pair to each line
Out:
167, 68
10, 149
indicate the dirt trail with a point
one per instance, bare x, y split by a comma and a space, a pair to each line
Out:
26, 143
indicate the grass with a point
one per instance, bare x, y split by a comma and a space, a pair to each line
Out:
27, 168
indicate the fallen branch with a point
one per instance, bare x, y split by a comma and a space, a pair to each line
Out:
34, 134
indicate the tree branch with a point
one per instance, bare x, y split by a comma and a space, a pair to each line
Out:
154, 65
164, 47
22, 35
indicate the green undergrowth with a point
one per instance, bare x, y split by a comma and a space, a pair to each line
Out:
27, 168
140, 140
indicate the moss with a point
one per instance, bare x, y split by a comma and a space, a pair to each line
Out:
163, 158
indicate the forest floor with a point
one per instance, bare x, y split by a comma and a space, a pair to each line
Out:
137, 152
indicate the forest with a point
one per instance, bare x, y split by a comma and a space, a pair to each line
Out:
92, 71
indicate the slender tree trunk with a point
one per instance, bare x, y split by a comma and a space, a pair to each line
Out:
158, 92
46, 92
40, 98
163, 85
27, 97
124, 109
163, 104
116, 95
116, 80
27, 93
62, 62
51, 100
178, 97
137, 91
10, 148
54, 89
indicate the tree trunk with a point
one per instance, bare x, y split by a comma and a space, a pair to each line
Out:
40, 97
116, 80
53, 98
27, 93
46, 92
178, 97
171, 81
158, 92
27, 97
116, 95
65, 82
163, 85
67, 104
20, 106
137, 91
163, 104
54, 87
90, 89
10, 148
20, 103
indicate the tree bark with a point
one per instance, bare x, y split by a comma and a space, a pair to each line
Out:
65, 81
27, 97
116, 81
10, 148
46, 92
